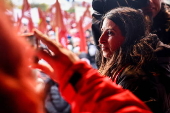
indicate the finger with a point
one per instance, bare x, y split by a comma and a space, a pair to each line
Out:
26, 34
44, 68
44, 38
69, 55
58, 50
47, 57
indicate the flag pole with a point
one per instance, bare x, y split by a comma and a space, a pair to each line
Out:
57, 34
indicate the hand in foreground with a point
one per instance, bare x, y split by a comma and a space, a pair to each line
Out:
60, 60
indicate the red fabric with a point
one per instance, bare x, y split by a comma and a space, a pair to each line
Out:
51, 8
83, 45
85, 4
30, 25
95, 93
87, 19
58, 22
69, 20
26, 13
25, 7
58, 17
19, 23
42, 24
50, 11
84, 24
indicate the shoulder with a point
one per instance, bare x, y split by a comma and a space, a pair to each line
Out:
144, 85
130, 72
162, 50
134, 79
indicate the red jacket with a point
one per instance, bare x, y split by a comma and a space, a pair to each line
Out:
89, 92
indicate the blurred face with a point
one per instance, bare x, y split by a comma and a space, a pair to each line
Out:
153, 8
111, 38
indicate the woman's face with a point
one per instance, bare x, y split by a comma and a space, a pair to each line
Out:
153, 8
111, 38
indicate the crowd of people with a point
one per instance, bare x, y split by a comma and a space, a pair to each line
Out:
73, 43
129, 71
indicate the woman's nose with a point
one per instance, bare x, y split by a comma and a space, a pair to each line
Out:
102, 39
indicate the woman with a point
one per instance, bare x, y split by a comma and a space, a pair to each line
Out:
128, 56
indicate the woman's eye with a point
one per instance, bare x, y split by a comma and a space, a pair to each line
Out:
110, 33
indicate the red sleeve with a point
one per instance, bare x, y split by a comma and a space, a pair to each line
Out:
95, 93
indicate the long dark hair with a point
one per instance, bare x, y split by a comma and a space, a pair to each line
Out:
136, 49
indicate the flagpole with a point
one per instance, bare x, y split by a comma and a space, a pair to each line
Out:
57, 34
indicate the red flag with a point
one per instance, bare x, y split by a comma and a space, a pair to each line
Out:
84, 24
58, 17
25, 8
83, 45
59, 23
69, 20
50, 12
18, 23
85, 4
87, 19
51, 8
26, 13
42, 24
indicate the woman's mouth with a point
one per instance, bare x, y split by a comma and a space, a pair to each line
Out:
104, 48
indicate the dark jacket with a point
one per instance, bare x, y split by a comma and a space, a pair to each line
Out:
54, 102
145, 86
161, 24
151, 82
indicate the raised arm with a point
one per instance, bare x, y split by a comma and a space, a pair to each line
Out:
83, 87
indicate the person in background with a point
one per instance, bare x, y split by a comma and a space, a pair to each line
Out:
84, 57
159, 14
54, 102
91, 51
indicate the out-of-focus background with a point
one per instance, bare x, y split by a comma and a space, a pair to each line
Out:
64, 21
167, 1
